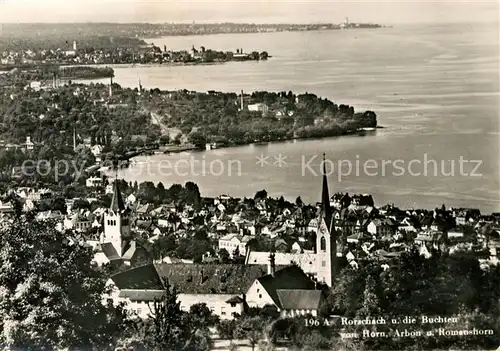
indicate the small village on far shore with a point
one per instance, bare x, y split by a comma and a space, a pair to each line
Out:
126, 48
143, 54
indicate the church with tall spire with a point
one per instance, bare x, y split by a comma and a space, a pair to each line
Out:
322, 264
326, 238
116, 242
117, 222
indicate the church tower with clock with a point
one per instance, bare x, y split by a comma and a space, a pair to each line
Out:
326, 238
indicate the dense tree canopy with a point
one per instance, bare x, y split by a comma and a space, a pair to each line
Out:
51, 118
443, 285
51, 296
291, 115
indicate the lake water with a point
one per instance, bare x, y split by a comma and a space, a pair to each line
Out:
435, 89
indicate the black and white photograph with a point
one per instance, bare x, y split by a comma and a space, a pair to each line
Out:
249, 175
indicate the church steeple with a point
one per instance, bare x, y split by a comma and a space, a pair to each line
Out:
326, 238
117, 222
325, 195
117, 204
326, 210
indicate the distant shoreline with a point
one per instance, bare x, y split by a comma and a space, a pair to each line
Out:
370, 26
170, 149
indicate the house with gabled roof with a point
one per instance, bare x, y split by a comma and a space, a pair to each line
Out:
313, 225
80, 221
381, 227
280, 245
144, 210
277, 286
428, 236
231, 242
409, 224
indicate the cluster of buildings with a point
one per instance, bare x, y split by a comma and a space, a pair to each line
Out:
225, 288
155, 54
27, 146
76, 56
121, 55
29, 57
266, 110
291, 274
300, 260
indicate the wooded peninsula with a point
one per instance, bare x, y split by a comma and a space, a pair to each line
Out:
112, 115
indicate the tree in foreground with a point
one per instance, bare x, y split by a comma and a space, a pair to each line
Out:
224, 256
50, 295
226, 329
251, 329
171, 329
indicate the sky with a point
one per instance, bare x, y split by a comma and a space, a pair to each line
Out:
256, 11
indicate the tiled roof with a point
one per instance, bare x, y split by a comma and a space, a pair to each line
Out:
211, 278
306, 261
359, 236
285, 279
206, 278
130, 250
192, 278
229, 237
109, 250
139, 278
145, 208
296, 299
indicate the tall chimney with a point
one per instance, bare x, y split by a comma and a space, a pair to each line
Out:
271, 267
111, 87
242, 103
